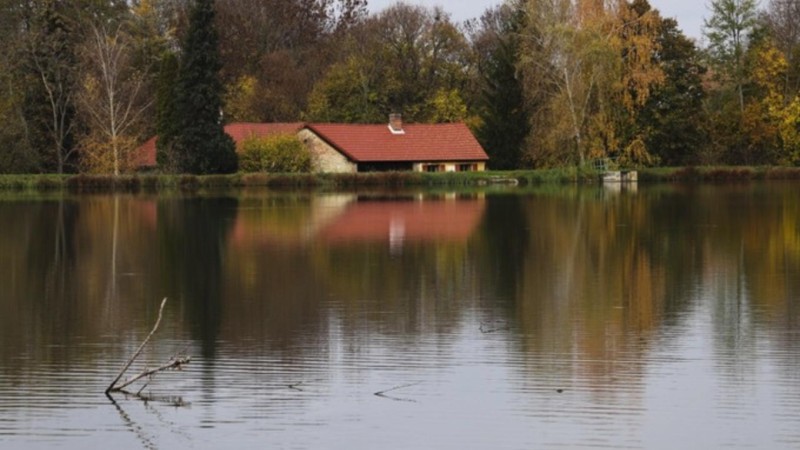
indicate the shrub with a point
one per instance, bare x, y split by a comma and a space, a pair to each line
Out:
274, 154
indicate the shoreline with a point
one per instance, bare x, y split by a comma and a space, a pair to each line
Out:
193, 183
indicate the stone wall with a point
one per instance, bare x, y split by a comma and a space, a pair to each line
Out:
326, 159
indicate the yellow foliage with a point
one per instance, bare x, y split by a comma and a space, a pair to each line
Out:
779, 112
241, 100
97, 154
448, 106
635, 155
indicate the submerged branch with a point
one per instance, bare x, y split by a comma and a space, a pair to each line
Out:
403, 386
175, 363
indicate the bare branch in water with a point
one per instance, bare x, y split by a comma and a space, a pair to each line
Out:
403, 386
175, 363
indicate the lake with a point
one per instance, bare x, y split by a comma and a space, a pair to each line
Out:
658, 317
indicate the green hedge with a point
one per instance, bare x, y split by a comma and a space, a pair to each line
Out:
274, 154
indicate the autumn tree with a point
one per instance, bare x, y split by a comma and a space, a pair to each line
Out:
275, 51
636, 29
596, 64
567, 51
110, 99
782, 18
772, 117
407, 59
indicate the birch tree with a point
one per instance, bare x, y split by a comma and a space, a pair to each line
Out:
110, 98
567, 47
727, 31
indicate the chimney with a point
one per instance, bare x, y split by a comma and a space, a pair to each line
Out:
396, 123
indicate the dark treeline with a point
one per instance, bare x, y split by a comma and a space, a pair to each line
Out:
542, 83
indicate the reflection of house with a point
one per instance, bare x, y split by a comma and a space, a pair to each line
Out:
343, 219
348, 148
400, 221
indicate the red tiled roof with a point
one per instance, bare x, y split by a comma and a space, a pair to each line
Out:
420, 142
238, 131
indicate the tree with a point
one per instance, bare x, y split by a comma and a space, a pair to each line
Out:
51, 61
782, 17
168, 119
17, 155
636, 31
201, 145
673, 119
567, 45
727, 30
505, 117
773, 111
397, 61
591, 70
110, 99
275, 51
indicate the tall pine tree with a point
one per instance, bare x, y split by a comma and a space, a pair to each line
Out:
506, 118
201, 145
167, 117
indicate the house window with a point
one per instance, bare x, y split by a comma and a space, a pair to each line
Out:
433, 168
467, 167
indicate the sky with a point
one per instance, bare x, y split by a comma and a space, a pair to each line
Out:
689, 13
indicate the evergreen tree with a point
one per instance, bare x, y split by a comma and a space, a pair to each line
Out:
673, 116
505, 117
201, 145
167, 117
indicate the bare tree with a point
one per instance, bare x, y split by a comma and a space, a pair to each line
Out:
110, 98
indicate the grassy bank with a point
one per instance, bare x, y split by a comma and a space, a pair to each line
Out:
193, 183
718, 174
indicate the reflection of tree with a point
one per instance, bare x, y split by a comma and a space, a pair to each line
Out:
52, 257
504, 246
604, 273
341, 249
192, 235
591, 283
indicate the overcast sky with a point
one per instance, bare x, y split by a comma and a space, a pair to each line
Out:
689, 13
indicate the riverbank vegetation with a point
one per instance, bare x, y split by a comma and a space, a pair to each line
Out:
543, 84
195, 183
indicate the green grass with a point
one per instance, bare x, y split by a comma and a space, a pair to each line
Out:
195, 183
718, 174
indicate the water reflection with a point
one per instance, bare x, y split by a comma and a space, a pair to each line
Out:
193, 235
636, 314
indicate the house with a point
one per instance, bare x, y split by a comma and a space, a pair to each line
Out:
447, 147
350, 148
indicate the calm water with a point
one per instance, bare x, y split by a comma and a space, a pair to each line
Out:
664, 317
